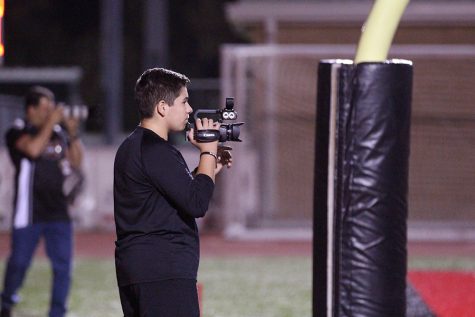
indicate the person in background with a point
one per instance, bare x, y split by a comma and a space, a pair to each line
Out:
156, 201
44, 148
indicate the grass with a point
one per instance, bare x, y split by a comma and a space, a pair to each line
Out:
276, 286
256, 287
459, 263
94, 292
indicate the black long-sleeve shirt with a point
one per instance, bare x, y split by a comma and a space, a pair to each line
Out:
39, 181
156, 201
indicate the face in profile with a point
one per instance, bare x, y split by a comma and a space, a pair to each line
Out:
179, 112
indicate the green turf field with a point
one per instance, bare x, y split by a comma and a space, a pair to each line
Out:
233, 286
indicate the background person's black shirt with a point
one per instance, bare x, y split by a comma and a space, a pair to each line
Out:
38, 181
156, 201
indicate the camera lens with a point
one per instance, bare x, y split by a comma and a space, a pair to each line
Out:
235, 131
230, 132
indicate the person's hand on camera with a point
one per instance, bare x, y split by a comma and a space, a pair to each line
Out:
209, 150
204, 124
56, 115
72, 125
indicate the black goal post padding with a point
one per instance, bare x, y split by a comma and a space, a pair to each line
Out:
361, 185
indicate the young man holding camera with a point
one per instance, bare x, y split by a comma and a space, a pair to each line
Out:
156, 201
41, 147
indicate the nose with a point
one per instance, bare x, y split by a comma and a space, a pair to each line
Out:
188, 108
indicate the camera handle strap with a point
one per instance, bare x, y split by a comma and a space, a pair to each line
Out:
205, 136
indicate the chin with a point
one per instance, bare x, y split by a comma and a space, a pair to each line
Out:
180, 128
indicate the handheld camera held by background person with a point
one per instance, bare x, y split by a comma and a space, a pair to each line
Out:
226, 132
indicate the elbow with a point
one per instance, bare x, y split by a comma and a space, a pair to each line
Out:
198, 211
197, 208
33, 152
201, 213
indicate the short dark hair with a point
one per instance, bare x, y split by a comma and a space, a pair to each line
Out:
157, 84
35, 93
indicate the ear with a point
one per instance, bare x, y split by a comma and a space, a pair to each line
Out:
162, 108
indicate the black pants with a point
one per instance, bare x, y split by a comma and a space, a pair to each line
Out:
168, 298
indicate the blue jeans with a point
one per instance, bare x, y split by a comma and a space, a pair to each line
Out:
59, 245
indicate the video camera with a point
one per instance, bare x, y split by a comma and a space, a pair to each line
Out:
226, 132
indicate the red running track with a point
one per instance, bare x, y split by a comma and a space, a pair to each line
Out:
447, 293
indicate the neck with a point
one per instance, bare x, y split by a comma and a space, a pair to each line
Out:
159, 129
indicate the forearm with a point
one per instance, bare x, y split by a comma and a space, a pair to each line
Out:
207, 164
33, 146
75, 153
